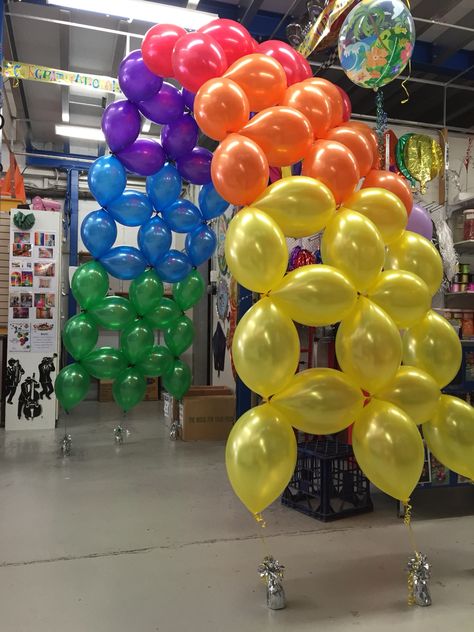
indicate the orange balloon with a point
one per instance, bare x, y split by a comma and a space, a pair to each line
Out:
335, 165
335, 97
314, 103
261, 77
392, 182
284, 134
371, 138
239, 170
221, 107
357, 143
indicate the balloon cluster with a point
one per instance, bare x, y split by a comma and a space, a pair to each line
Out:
136, 318
377, 280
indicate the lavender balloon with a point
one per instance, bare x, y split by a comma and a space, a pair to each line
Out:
179, 137
188, 97
196, 166
420, 222
163, 107
136, 81
121, 124
144, 157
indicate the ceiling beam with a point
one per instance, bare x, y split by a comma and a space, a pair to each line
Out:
248, 9
64, 63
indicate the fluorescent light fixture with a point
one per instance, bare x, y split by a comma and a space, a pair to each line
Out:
77, 131
142, 10
146, 127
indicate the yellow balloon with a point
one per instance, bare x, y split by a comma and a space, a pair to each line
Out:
433, 345
352, 244
383, 208
255, 250
416, 254
300, 206
389, 449
315, 295
450, 435
266, 348
368, 346
260, 456
403, 295
414, 391
320, 401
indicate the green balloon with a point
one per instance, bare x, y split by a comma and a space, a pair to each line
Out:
90, 284
146, 292
189, 291
105, 363
400, 157
80, 335
136, 341
178, 380
113, 312
158, 362
129, 388
180, 335
71, 385
164, 314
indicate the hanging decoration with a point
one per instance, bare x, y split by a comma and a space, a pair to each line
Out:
376, 42
423, 158
400, 158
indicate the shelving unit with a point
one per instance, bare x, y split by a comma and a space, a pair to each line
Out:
466, 246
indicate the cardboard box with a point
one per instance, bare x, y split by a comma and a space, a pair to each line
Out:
151, 393
207, 413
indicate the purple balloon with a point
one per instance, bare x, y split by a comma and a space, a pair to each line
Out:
144, 157
163, 107
420, 222
188, 97
179, 137
196, 166
136, 81
121, 124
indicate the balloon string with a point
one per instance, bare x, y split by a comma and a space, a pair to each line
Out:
259, 519
403, 101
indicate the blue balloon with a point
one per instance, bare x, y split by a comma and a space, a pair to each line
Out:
107, 179
154, 239
173, 267
182, 216
211, 203
200, 244
132, 208
124, 262
98, 232
164, 187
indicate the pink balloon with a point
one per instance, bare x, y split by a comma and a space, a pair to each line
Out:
254, 45
234, 38
157, 48
306, 72
346, 104
196, 58
288, 57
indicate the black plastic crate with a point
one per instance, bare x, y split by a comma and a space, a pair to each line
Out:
327, 483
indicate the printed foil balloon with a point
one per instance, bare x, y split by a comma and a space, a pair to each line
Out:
376, 42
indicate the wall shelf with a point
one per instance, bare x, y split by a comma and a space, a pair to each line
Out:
466, 246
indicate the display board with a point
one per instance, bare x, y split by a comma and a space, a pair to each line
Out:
33, 323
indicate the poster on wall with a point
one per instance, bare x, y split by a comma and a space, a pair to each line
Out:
33, 323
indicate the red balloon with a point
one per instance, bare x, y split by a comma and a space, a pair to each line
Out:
396, 184
234, 38
335, 165
357, 143
306, 72
254, 45
346, 104
157, 48
196, 58
287, 56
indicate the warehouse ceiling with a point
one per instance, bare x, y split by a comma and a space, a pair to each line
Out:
442, 54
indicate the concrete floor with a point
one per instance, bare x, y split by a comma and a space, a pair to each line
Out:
148, 537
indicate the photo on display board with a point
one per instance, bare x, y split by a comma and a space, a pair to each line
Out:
44, 300
43, 269
26, 299
21, 250
45, 239
26, 278
45, 253
14, 300
19, 336
44, 313
21, 312
44, 283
